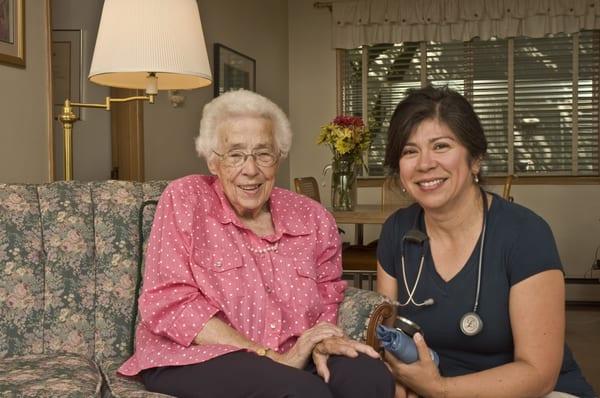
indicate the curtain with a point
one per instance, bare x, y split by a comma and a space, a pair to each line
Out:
361, 22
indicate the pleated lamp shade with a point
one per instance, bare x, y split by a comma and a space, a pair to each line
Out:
139, 37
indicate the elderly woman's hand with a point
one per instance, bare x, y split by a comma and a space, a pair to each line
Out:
338, 345
298, 355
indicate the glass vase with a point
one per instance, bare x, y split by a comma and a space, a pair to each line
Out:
343, 183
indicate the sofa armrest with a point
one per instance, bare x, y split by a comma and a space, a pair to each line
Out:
360, 313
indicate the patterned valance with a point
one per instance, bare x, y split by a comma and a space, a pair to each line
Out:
393, 21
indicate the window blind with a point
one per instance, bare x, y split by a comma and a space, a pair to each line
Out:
554, 107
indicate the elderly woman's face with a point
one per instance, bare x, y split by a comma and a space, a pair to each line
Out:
246, 185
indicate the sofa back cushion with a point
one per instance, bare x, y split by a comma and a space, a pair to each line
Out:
21, 271
117, 207
69, 256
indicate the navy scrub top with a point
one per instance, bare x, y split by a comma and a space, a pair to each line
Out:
518, 244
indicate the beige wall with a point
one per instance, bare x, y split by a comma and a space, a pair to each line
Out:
24, 119
91, 134
258, 29
312, 88
573, 211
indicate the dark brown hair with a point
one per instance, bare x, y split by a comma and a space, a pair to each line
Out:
443, 104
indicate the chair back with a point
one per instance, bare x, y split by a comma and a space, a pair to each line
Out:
391, 193
308, 186
507, 187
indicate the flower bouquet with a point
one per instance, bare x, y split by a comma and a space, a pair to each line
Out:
348, 138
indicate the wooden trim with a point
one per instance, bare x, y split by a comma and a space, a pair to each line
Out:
338, 81
377, 182
127, 136
49, 92
380, 314
547, 180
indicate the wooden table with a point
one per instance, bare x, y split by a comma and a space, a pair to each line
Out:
364, 214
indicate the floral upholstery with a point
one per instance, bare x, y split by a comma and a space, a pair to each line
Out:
21, 270
357, 311
54, 375
124, 387
69, 255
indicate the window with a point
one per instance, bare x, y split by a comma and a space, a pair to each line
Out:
537, 98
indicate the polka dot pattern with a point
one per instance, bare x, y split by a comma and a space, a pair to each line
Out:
202, 262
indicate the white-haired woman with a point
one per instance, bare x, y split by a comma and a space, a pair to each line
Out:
243, 280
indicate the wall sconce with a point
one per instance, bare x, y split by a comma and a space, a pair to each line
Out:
176, 98
143, 44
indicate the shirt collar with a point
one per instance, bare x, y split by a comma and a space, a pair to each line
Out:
285, 218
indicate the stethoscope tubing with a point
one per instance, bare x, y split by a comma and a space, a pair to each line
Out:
411, 292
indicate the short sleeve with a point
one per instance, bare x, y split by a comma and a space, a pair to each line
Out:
386, 254
534, 249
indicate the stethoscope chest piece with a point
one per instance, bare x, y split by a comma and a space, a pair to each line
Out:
471, 324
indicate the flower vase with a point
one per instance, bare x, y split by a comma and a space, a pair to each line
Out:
343, 184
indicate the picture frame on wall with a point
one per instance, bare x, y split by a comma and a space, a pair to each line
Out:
67, 66
12, 32
233, 70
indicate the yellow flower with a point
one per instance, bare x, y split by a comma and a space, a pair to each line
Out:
349, 137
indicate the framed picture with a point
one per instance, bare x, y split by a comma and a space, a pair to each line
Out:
66, 68
12, 32
233, 70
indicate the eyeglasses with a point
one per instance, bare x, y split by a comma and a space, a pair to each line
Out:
237, 158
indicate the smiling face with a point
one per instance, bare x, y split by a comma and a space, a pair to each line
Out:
435, 168
247, 187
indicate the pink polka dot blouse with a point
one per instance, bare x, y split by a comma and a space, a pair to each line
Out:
202, 262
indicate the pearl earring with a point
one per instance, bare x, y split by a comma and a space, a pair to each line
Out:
403, 189
475, 178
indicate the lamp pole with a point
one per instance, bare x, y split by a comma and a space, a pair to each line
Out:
68, 118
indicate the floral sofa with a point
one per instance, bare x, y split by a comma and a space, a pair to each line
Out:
69, 275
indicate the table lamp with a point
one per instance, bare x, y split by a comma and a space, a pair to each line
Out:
143, 44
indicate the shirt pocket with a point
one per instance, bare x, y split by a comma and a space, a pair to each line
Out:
306, 269
220, 276
306, 298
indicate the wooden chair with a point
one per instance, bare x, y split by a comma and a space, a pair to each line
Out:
308, 186
364, 258
507, 187
354, 257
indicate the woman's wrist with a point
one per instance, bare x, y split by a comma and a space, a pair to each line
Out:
443, 388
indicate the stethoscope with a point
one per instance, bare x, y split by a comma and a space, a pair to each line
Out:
470, 323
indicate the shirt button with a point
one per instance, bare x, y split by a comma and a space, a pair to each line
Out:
218, 264
268, 289
273, 326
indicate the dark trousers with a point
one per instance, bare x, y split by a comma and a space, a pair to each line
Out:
246, 375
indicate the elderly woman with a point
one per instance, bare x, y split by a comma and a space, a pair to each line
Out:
243, 280
480, 275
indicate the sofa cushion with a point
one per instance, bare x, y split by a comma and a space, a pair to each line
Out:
22, 270
69, 284
54, 375
121, 386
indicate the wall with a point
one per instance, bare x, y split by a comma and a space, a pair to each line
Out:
91, 134
258, 29
24, 112
572, 211
312, 88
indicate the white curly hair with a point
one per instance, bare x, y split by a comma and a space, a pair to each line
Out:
241, 103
